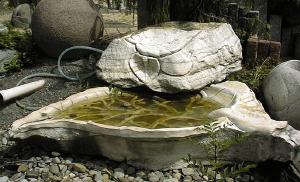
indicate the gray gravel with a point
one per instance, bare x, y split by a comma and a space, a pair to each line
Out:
54, 90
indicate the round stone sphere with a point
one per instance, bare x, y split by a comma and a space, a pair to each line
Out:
60, 24
282, 92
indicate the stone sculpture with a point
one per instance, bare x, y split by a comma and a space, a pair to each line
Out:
171, 60
281, 92
60, 24
159, 148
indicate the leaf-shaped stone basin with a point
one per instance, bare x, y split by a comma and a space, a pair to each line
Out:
159, 148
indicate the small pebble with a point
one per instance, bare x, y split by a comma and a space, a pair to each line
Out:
56, 160
79, 168
4, 179
23, 168
4, 141
55, 154
54, 169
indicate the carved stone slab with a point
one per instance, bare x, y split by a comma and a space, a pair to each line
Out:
171, 60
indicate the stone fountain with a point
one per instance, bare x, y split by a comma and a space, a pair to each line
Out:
171, 58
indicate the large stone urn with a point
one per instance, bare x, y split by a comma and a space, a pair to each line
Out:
60, 24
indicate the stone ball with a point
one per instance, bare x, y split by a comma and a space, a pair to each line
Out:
282, 92
60, 24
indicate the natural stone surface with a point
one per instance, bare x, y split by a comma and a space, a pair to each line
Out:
3, 29
21, 16
172, 60
4, 179
242, 113
281, 92
60, 24
79, 167
6, 56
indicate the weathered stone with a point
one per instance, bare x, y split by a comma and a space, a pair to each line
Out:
87, 179
177, 175
3, 29
105, 178
4, 179
21, 16
79, 167
171, 180
98, 176
4, 141
281, 92
17, 177
23, 168
60, 24
187, 179
6, 56
158, 57
55, 154
188, 171
119, 173
54, 169
153, 177
32, 174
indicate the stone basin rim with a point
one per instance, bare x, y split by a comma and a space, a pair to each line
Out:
35, 120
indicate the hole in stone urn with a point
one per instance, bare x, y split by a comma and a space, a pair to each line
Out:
145, 111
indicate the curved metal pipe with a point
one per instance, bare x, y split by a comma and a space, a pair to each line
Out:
15, 92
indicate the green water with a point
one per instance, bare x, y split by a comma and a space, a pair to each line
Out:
128, 109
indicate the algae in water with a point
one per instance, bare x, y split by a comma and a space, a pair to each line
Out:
128, 109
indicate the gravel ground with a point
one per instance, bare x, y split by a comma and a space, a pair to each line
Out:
54, 90
25, 163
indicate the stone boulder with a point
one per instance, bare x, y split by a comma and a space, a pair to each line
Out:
281, 92
60, 24
171, 58
21, 17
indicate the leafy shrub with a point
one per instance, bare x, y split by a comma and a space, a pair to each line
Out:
21, 41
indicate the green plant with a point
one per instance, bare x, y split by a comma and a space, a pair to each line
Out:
21, 41
215, 144
254, 77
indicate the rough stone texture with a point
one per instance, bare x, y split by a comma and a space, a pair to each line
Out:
6, 56
172, 60
281, 92
3, 29
60, 24
159, 148
21, 16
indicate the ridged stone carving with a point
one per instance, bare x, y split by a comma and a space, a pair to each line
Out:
171, 60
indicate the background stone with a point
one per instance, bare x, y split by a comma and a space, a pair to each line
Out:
281, 92
60, 24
